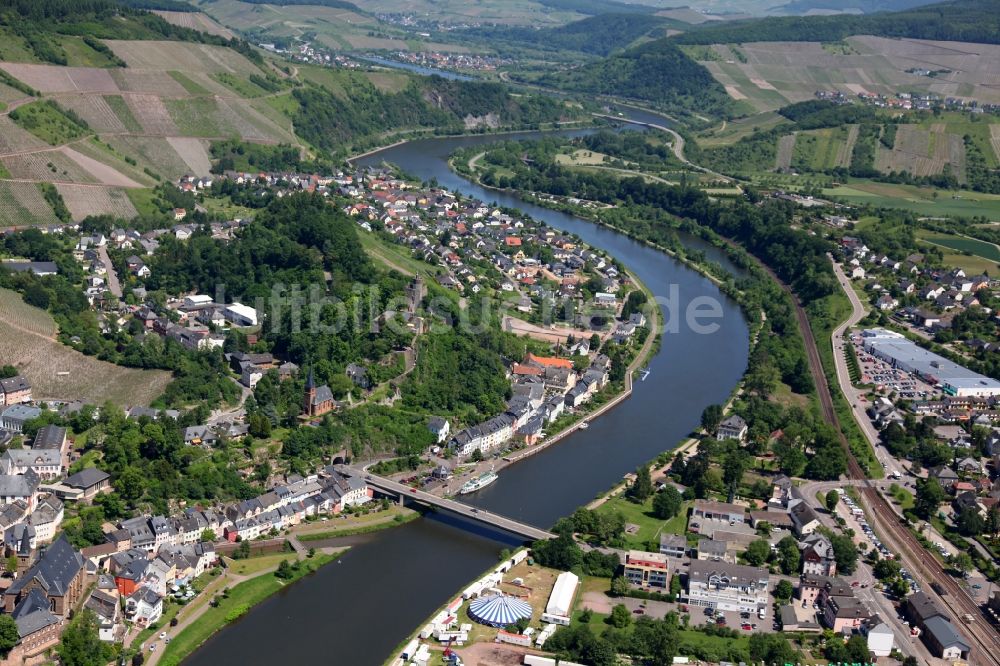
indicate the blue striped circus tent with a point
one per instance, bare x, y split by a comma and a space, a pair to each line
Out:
498, 610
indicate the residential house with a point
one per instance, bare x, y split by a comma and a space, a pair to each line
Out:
817, 556
673, 545
805, 520
732, 427
144, 606
844, 613
440, 428
712, 550
881, 640
359, 376
47, 517
46, 463
129, 570
14, 390
19, 541
106, 608
346, 490
19, 487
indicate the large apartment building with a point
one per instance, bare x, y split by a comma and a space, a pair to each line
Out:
647, 570
728, 587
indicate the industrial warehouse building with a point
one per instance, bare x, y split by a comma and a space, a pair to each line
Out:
907, 356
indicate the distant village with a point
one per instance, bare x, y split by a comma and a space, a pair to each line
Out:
911, 101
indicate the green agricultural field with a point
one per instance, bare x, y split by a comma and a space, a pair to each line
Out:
13, 48
393, 257
285, 105
241, 86
820, 150
975, 126
22, 204
78, 54
47, 122
920, 200
964, 245
144, 200
972, 265
191, 86
196, 117
732, 131
118, 105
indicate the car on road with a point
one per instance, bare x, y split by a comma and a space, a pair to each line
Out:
745, 627
152, 648
163, 635
639, 611
413, 490
721, 621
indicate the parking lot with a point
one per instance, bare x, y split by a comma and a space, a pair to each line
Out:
861, 527
884, 377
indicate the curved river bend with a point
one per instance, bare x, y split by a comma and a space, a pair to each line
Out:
355, 612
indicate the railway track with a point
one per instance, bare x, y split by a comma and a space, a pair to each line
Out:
982, 635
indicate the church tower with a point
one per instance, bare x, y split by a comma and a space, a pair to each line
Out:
310, 394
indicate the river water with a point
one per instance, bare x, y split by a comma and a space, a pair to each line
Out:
354, 613
416, 69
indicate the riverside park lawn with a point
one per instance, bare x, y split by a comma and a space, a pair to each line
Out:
650, 527
241, 598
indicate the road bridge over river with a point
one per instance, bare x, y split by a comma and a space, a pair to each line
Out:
404, 493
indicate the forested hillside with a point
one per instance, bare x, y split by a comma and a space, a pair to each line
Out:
335, 4
975, 21
597, 7
293, 241
335, 123
597, 35
866, 6
657, 73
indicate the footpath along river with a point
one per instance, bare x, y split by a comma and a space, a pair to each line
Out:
355, 612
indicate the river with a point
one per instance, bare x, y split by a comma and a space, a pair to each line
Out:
416, 69
356, 612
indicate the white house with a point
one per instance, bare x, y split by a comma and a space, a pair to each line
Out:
46, 463
144, 606
733, 427
240, 315
880, 640
440, 428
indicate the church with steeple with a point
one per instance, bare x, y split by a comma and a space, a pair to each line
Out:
318, 399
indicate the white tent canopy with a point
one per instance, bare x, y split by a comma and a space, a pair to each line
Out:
498, 610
